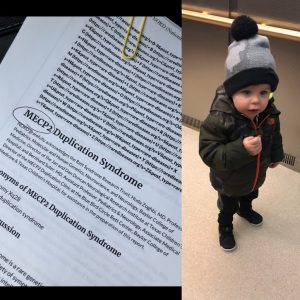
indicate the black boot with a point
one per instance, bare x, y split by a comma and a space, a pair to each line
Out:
251, 216
245, 209
227, 241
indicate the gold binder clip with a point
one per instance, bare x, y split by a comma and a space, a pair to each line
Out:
124, 55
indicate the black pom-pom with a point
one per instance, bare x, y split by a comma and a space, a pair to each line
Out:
243, 27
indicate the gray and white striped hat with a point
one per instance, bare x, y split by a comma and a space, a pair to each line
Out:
249, 60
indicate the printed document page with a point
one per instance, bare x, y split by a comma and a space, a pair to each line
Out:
90, 152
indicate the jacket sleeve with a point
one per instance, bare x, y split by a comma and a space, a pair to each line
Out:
277, 153
217, 151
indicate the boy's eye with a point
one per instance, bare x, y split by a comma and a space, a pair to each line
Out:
246, 92
264, 93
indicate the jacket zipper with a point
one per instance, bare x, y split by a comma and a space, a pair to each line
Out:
256, 127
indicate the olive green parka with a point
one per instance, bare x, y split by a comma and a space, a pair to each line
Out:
233, 171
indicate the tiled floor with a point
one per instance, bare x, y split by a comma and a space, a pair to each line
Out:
266, 264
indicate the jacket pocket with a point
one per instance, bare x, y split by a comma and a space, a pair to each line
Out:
219, 178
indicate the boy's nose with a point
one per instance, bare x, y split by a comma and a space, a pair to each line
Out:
255, 99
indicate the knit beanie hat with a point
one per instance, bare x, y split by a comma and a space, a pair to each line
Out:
249, 59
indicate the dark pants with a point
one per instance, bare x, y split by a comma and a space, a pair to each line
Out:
230, 205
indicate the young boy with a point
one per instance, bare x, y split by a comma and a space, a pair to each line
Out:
241, 137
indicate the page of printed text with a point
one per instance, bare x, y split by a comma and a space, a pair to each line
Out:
90, 151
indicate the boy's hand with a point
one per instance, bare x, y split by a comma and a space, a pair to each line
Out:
252, 144
273, 165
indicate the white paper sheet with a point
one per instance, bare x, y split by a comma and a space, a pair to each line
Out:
90, 151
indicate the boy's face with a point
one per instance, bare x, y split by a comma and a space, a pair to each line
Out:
252, 100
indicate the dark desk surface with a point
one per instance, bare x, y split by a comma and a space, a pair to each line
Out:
9, 27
